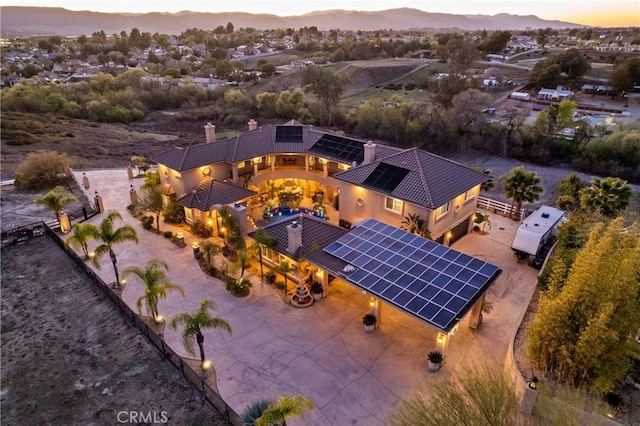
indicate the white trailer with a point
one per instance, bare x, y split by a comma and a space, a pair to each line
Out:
541, 226
521, 96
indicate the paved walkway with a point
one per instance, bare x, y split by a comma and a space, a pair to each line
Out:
321, 352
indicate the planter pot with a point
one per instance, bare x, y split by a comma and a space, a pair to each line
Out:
317, 296
433, 367
369, 328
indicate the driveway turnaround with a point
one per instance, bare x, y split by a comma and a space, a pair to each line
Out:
320, 352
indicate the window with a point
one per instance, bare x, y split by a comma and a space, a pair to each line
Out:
393, 205
442, 210
469, 194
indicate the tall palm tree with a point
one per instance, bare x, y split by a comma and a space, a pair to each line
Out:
194, 323
156, 284
607, 196
277, 412
109, 237
521, 186
82, 233
263, 240
56, 200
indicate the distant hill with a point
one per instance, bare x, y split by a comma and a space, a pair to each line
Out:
28, 21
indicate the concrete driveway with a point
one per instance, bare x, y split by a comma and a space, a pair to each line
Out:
321, 352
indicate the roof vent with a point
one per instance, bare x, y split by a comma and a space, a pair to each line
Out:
545, 215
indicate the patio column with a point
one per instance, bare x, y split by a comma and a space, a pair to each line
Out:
133, 195
374, 305
475, 316
325, 169
442, 342
323, 278
234, 174
255, 168
273, 163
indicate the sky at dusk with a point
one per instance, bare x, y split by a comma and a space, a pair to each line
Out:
588, 12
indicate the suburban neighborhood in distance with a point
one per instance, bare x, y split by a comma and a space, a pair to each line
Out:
332, 218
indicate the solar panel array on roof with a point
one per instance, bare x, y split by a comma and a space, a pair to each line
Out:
426, 279
289, 134
345, 149
386, 177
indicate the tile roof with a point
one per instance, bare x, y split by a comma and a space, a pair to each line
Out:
245, 146
209, 192
431, 182
181, 159
165, 189
316, 234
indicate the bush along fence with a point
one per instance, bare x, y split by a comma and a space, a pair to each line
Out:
194, 377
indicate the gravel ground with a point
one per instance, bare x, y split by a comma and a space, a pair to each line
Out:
70, 358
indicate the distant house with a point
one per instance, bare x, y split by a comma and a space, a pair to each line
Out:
299, 64
558, 94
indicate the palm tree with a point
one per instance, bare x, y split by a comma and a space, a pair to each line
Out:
277, 412
194, 323
284, 268
488, 184
109, 236
156, 283
263, 240
521, 186
56, 200
416, 225
607, 196
82, 233
243, 262
209, 250
150, 200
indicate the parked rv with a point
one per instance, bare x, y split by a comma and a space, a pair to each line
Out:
537, 233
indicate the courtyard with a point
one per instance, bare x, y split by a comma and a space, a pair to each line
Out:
321, 352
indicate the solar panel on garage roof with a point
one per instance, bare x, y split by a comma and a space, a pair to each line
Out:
426, 279
345, 149
386, 177
288, 134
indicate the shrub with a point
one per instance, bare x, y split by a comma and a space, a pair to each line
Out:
270, 277
201, 230
147, 222
42, 169
238, 287
173, 213
168, 234
316, 288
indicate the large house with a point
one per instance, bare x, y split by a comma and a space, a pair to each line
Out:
375, 190
372, 180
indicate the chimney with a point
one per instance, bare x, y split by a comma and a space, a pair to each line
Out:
210, 133
294, 234
369, 152
253, 124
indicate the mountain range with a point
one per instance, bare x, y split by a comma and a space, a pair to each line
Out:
29, 21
